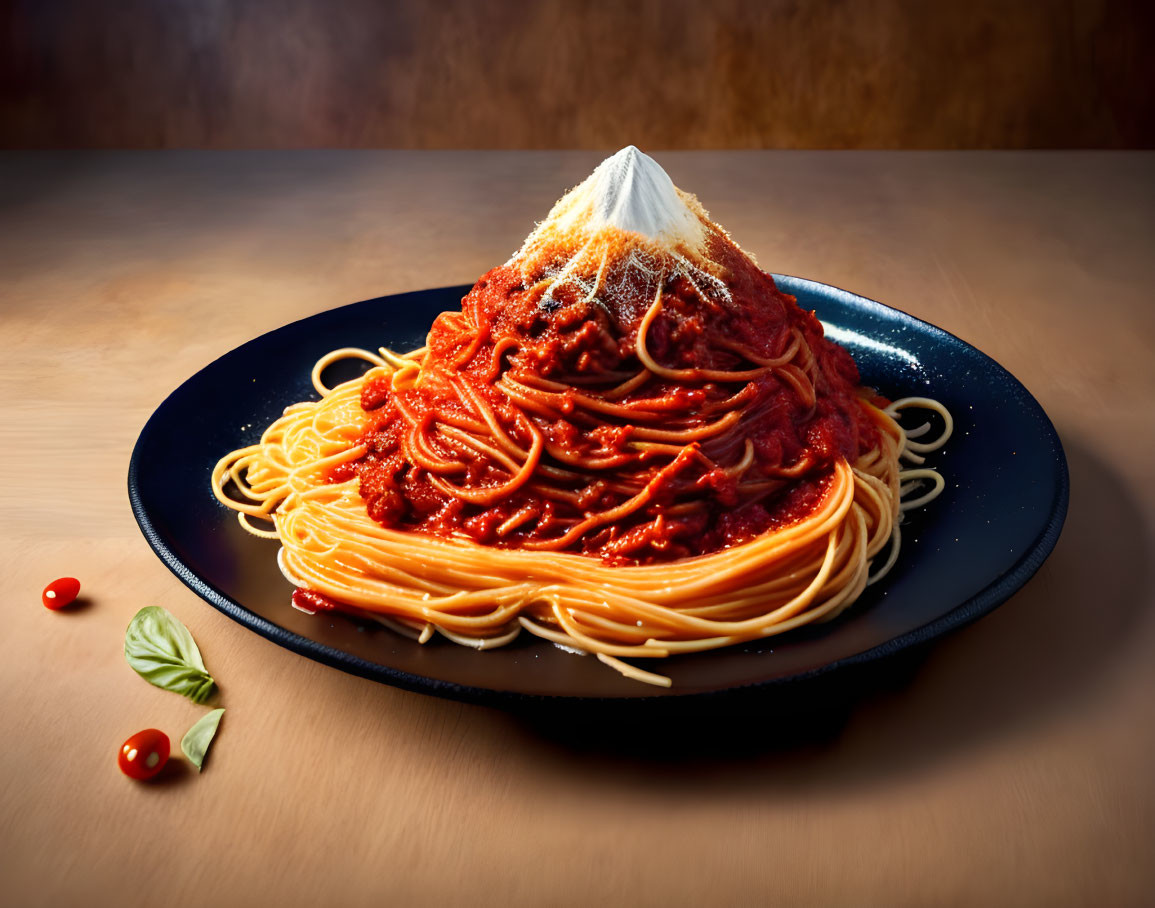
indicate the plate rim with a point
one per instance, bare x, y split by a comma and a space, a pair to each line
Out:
964, 613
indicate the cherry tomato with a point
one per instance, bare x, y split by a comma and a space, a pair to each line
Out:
60, 592
144, 754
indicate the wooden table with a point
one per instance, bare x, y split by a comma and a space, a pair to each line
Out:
1014, 766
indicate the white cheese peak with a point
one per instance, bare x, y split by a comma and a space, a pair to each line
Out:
631, 191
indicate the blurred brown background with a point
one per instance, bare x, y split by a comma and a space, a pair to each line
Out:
577, 74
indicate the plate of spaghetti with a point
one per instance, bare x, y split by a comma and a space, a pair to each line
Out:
627, 463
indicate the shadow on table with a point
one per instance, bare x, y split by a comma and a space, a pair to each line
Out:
1031, 659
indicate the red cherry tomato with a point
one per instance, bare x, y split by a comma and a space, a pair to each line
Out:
60, 593
144, 754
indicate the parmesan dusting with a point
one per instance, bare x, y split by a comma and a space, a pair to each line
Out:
620, 235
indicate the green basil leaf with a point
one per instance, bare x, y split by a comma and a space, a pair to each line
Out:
197, 739
162, 651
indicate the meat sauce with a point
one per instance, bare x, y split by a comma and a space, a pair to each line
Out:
506, 328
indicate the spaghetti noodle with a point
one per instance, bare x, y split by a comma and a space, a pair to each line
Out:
627, 442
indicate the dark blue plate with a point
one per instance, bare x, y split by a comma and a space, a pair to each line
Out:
967, 552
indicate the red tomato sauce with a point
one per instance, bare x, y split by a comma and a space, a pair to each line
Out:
694, 507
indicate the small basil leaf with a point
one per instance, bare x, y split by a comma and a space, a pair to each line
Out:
162, 651
196, 741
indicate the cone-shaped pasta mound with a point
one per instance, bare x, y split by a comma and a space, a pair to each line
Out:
627, 441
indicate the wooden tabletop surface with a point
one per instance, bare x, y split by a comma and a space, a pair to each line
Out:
1012, 766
